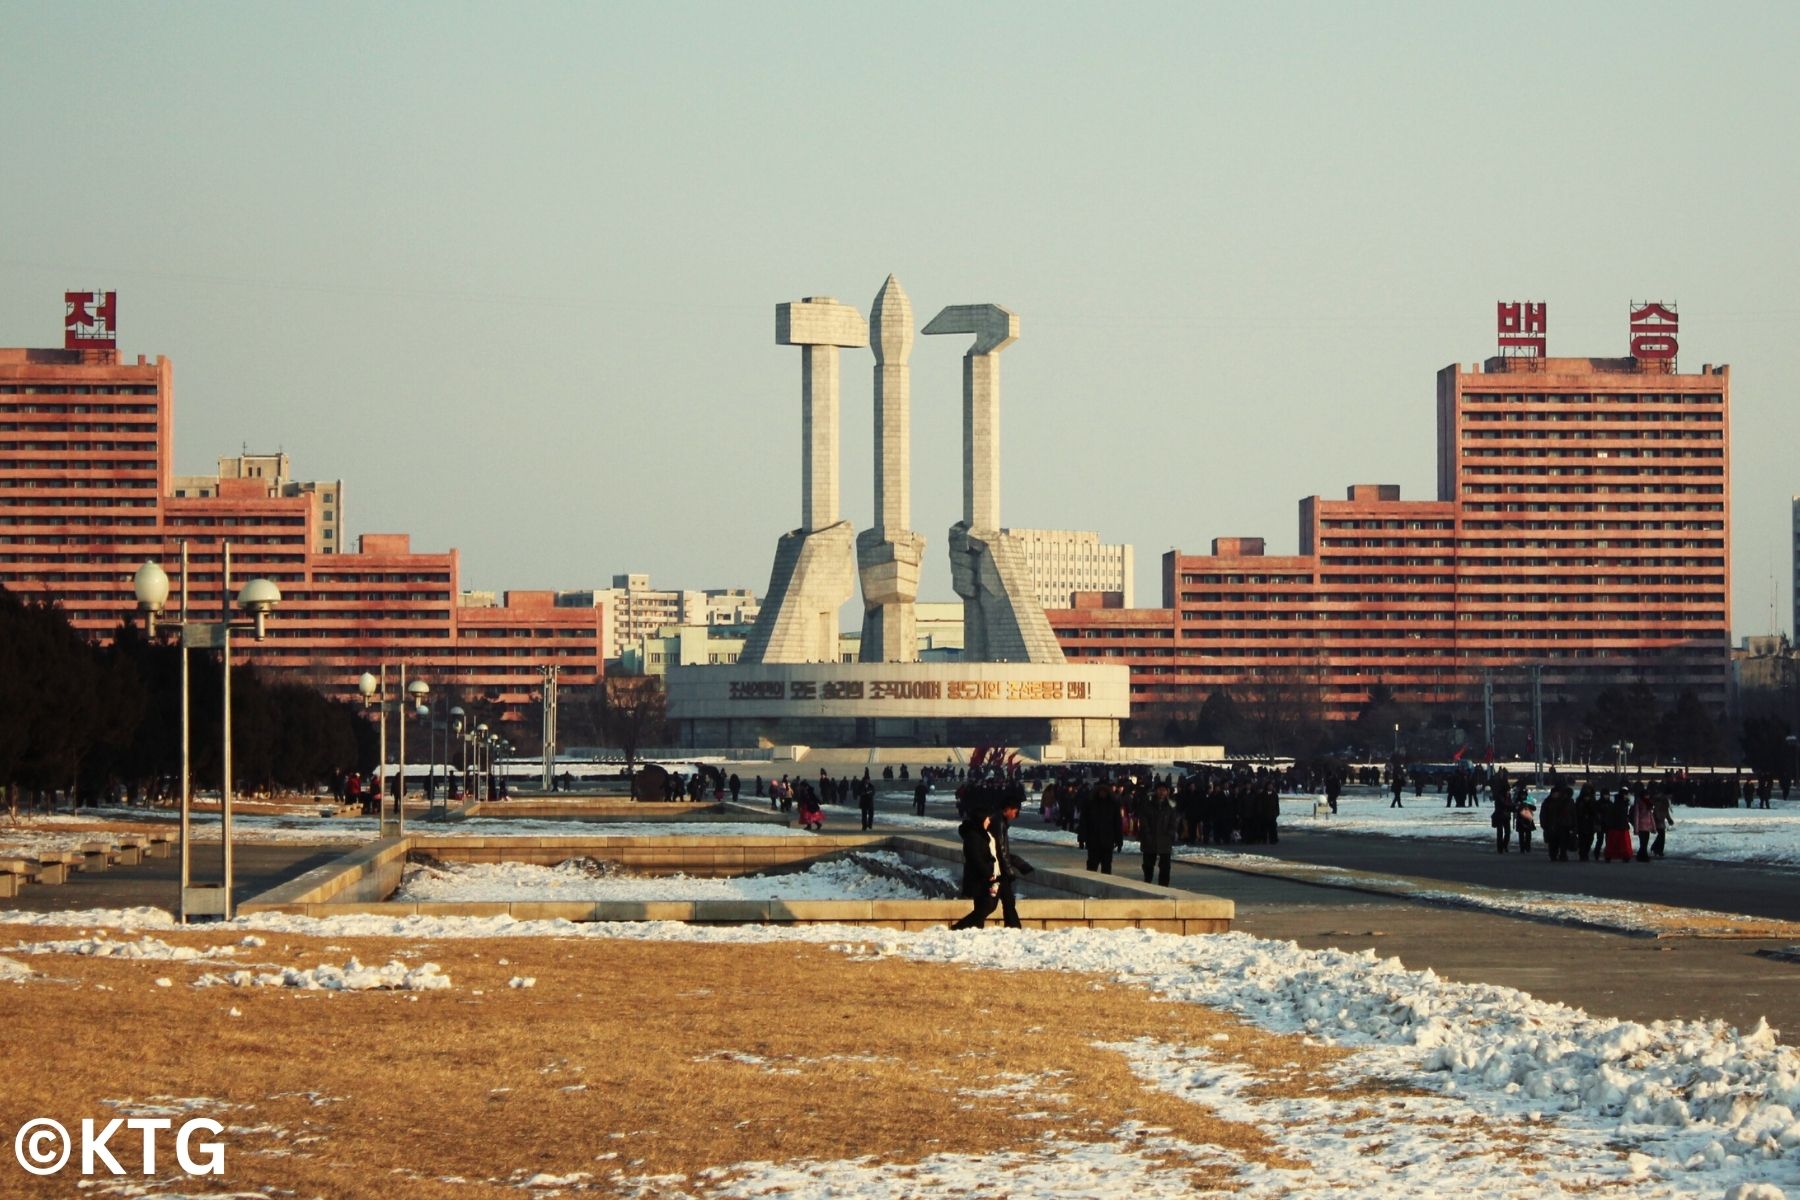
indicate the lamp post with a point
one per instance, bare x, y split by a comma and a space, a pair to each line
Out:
481, 745
453, 728
257, 600
1621, 757
494, 756
549, 672
374, 691
412, 703
411, 695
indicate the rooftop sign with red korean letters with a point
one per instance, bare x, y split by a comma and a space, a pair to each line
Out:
90, 320
1653, 329
1522, 326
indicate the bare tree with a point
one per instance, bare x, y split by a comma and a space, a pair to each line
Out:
629, 711
1282, 711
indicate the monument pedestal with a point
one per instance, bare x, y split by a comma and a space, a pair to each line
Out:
814, 573
889, 566
1002, 619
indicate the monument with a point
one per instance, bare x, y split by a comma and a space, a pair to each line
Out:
815, 565
888, 555
1012, 685
1002, 619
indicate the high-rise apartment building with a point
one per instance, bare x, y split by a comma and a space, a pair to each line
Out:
273, 472
1581, 534
1066, 561
632, 610
86, 496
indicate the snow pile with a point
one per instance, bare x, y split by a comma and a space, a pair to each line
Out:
1341, 1149
580, 879
14, 971
143, 949
1703, 1095
351, 977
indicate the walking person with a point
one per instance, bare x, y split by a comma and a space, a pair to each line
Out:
919, 793
989, 865
1157, 822
1399, 782
865, 800
1102, 828
1587, 820
1643, 823
811, 815
1558, 820
1665, 821
1503, 820
1524, 817
1617, 823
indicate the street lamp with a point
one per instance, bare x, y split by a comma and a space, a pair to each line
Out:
550, 673
256, 601
453, 729
1621, 757
481, 761
374, 691
493, 780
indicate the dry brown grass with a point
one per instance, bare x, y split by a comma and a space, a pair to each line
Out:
665, 1058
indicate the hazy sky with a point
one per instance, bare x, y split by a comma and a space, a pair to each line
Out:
510, 271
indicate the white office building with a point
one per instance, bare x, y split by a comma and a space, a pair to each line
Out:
1065, 561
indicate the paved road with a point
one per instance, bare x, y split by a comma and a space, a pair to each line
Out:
1608, 974
1634, 978
1678, 880
156, 881
1686, 882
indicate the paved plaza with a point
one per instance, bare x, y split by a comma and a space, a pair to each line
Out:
1606, 973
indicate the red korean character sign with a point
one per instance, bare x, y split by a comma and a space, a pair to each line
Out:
1522, 326
1653, 329
90, 320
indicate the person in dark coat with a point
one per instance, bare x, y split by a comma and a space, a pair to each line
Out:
865, 799
1157, 822
1503, 819
1524, 817
990, 868
1587, 820
1102, 828
919, 793
1558, 819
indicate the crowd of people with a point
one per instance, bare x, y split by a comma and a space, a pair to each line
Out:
1204, 807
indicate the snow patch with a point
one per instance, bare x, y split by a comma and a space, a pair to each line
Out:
351, 977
